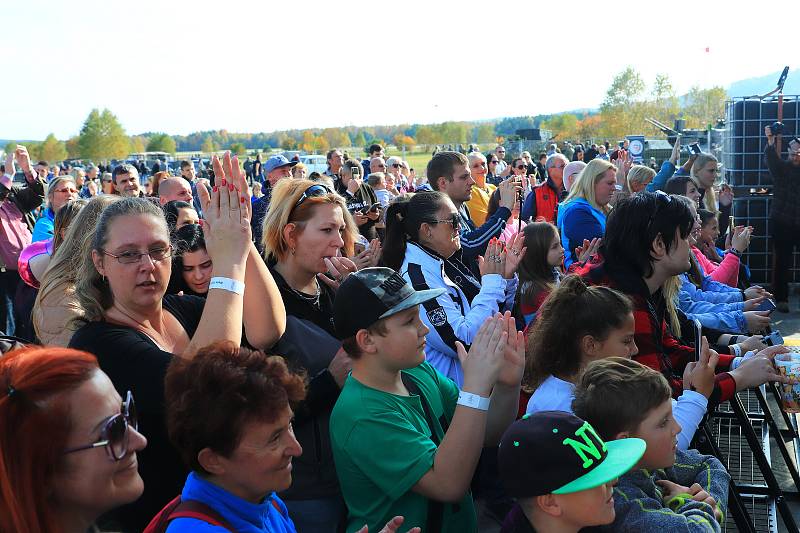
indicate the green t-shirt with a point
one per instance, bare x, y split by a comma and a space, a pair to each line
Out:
381, 446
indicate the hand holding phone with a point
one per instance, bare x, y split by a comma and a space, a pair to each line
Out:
698, 339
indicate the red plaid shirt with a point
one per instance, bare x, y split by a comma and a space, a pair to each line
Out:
658, 349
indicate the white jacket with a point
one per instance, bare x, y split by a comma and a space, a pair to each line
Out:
451, 317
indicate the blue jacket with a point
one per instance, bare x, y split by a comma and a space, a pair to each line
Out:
578, 220
452, 317
660, 179
694, 303
474, 240
243, 516
43, 229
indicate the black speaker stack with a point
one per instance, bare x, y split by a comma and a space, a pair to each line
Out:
745, 170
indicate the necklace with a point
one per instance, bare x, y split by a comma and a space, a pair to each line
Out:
312, 299
151, 333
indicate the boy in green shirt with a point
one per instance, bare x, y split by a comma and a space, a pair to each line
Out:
405, 440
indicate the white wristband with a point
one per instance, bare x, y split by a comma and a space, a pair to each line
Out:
737, 350
467, 399
226, 284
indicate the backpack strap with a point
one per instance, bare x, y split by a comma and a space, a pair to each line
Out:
199, 511
435, 515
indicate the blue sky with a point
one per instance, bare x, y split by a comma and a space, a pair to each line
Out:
179, 66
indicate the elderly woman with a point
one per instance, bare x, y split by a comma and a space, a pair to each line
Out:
571, 172
422, 242
307, 231
135, 330
638, 178
582, 216
59, 191
68, 442
478, 203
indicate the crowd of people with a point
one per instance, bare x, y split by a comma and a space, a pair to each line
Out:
373, 349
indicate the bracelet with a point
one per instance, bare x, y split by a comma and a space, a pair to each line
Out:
733, 340
467, 399
736, 362
735, 252
227, 284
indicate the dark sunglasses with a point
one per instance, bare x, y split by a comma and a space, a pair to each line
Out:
521, 167
312, 192
493, 162
396, 165
454, 220
115, 435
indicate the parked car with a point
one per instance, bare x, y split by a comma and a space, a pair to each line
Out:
314, 163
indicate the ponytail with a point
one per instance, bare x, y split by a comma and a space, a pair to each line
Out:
570, 312
403, 220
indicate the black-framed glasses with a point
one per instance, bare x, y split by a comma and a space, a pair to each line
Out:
454, 220
115, 435
131, 257
522, 167
314, 191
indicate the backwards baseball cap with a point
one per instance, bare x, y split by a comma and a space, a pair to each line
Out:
554, 452
277, 161
372, 294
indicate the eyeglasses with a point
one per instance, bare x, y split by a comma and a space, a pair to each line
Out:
501, 151
493, 162
396, 165
312, 192
454, 220
115, 435
69, 190
522, 167
129, 258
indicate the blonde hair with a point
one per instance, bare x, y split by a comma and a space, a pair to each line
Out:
61, 275
283, 210
638, 174
709, 196
671, 290
583, 186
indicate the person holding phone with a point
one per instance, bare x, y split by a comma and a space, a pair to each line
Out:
361, 200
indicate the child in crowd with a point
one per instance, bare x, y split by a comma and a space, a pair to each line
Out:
669, 489
540, 268
377, 180
561, 473
405, 440
579, 324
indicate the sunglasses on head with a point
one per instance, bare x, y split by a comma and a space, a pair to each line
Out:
115, 435
312, 192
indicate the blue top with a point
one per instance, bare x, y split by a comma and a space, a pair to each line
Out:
578, 220
660, 179
43, 229
243, 516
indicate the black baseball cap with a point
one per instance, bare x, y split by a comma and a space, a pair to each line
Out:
555, 452
371, 294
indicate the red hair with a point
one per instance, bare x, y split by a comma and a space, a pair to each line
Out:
34, 430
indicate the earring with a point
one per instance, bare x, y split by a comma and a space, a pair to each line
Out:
292, 251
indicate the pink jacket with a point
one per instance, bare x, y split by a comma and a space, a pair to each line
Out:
726, 272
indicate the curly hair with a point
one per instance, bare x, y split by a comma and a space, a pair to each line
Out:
211, 397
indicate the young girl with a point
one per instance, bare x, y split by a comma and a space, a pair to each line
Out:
579, 324
540, 269
721, 266
512, 224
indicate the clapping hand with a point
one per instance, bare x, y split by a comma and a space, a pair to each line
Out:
486, 356
495, 260
589, 248
515, 251
226, 211
514, 354
392, 526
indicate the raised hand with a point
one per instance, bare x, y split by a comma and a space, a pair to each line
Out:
513, 354
485, 358
588, 249
700, 376
339, 268
515, 251
226, 211
494, 260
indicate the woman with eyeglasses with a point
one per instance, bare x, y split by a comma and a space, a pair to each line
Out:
308, 235
135, 330
422, 242
59, 191
68, 442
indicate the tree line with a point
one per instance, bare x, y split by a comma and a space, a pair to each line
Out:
627, 103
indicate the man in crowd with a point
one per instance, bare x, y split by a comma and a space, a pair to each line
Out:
375, 150
502, 167
335, 159
359, 198
92, 175
542, 202
449, 173
126, 181
43, 169
17, 221
188, 173
174, 189
541, 167
277, 168
784, 215
394, 166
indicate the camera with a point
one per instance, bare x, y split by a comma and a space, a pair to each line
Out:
777, 128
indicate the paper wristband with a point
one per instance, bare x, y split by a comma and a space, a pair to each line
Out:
227, 284
467, 399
